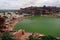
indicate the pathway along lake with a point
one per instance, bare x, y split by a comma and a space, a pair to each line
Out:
43, 25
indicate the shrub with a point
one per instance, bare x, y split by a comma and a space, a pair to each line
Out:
31, 37
48, 37
7, 36
5, 17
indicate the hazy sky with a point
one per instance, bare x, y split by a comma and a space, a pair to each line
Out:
16, 4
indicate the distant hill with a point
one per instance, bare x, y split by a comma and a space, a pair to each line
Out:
8, 10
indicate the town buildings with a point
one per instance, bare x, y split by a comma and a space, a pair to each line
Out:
8, 20
39, 10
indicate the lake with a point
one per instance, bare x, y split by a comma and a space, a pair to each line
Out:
40, 24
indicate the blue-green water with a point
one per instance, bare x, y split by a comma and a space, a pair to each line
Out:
44, 25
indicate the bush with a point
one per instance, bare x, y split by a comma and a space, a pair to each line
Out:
48, 37
31, 37
42, 38
5, 17
7, 36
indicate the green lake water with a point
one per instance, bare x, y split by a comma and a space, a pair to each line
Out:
43, 25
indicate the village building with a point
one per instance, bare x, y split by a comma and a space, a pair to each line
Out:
7, 21
39, 10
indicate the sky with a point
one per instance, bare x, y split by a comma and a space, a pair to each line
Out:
17, 4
